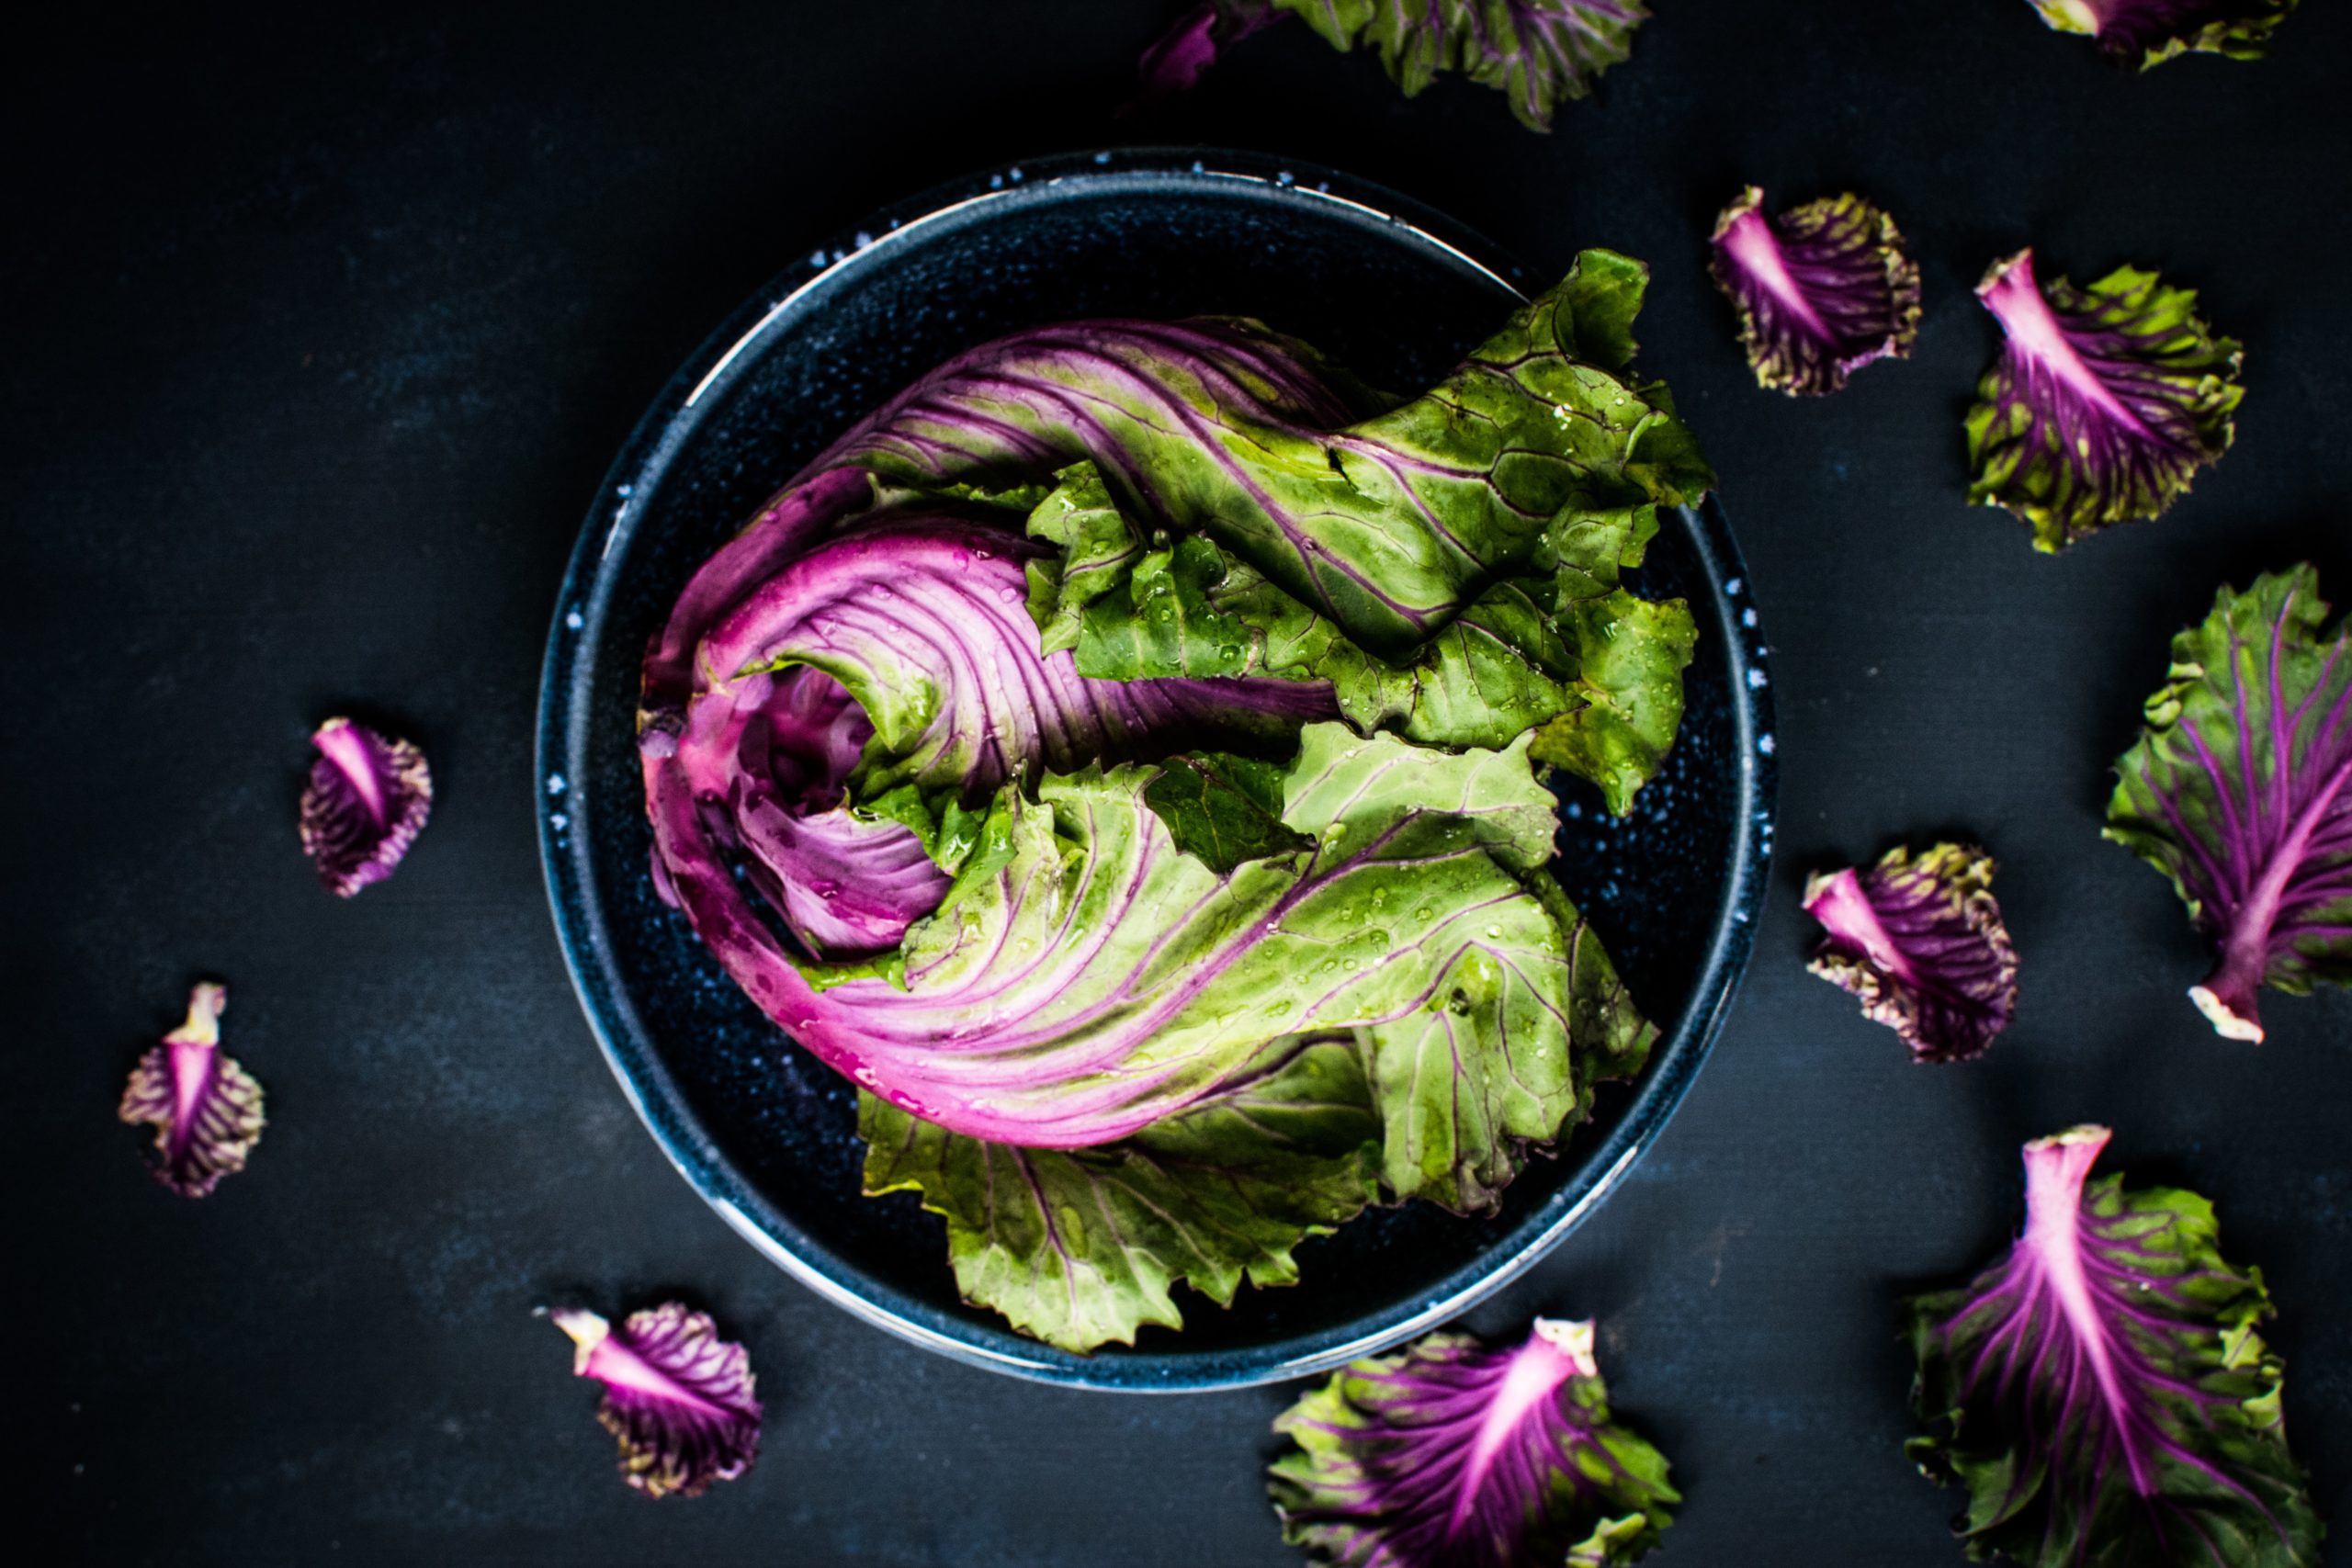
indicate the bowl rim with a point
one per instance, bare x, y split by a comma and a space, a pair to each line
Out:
558, 781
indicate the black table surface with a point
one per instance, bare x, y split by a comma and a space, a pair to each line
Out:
322, 330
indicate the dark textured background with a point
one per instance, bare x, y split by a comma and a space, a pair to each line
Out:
320, 332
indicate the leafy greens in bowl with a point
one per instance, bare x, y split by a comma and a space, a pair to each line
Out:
1104, 519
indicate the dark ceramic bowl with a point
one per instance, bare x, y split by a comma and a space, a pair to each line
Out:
766, 1133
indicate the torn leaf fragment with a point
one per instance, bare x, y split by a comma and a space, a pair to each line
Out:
677, 1397
1919, 940
206, 1110
365, 803
1822, 290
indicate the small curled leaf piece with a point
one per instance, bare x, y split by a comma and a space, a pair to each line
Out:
2239, 789
2148, 32
206, 1110
1452, 1455
1919, 939
2101, 1392
678, 1398
1821, 290
2105, 403
367, 801
1184, 54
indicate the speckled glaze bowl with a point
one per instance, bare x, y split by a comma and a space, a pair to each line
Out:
766, 1133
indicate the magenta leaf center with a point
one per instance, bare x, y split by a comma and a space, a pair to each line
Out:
1843, 908
2035, 334
345, 747
616, 1366
1752, 245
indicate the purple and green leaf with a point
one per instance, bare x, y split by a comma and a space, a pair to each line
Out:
1540, 53
1451, 567
2105, 403
1362, 522
1821, 290
1081, 1247
677, 1397
1085, 977
2149, 32
206, 1110
365, 803
1919, 939
1452, 1455
2240, 790
2101, 1392
1385, 518
879, 681
1594, 670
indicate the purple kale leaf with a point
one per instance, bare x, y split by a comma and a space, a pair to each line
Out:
677, 1397
2101, 1392
2105, 403
1919, 939
2149, 32
1452, 1455
206, 1110
1821, 290
365, 803
2240, 790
